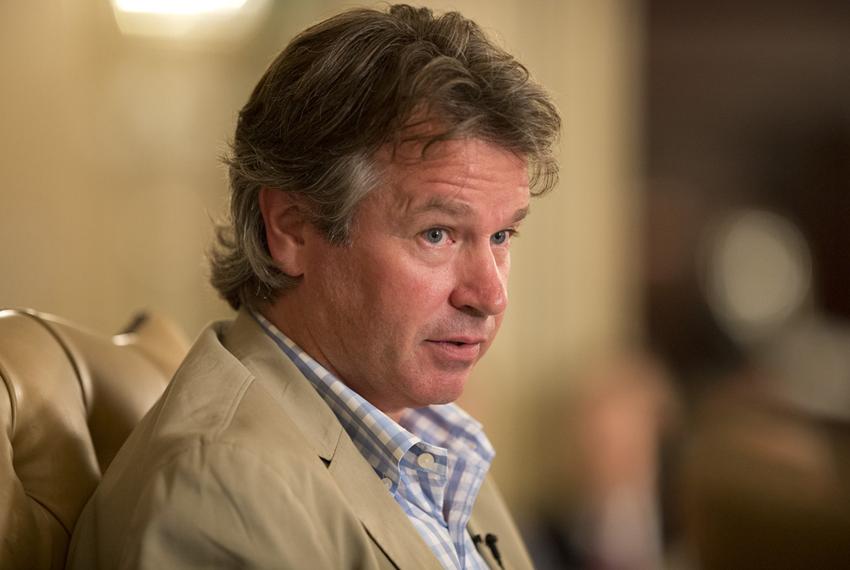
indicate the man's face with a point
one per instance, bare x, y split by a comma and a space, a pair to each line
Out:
403, 313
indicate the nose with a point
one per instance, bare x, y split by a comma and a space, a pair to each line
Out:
481, 286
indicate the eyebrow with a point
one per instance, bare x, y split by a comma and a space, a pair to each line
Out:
459, 209
520, 215
436, 204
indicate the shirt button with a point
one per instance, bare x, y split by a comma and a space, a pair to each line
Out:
425, 461
388, 483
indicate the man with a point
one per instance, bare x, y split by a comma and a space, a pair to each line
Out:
378, 173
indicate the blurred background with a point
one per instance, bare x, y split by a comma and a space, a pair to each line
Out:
671, 386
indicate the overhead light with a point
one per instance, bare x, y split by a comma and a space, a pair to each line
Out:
192, 22
178, 7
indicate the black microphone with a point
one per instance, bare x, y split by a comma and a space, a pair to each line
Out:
491, 539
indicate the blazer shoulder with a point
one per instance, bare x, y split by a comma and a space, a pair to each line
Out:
217, 395
204, 393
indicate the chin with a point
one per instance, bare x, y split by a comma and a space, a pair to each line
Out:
444, 391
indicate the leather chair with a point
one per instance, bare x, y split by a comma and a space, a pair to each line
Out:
69, 399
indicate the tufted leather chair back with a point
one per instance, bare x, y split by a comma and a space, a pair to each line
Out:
68, 400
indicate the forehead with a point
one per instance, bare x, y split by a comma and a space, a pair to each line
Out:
464, 173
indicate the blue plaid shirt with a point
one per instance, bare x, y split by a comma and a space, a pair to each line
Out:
433, 462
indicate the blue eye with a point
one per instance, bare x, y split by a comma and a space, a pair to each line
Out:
500, 237
435, 235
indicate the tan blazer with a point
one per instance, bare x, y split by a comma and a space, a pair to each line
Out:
241, 464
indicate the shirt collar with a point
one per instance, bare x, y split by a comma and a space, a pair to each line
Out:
442, 429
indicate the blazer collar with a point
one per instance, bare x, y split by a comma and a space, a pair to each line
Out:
383, 518
271, 368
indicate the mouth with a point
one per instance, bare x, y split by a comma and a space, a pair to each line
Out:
461, 349
460, 340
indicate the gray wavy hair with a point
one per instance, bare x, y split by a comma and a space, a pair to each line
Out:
341, 90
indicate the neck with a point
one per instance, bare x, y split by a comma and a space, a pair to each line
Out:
285, 315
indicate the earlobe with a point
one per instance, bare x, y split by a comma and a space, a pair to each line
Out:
285, 224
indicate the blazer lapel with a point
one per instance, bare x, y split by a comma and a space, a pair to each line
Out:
383, 518
490, 516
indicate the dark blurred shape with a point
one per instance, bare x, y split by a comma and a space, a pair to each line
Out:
807, 167
618, 422
628, 410
748, 105
748, 129
766, 487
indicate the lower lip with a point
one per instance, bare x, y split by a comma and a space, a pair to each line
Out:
463, 352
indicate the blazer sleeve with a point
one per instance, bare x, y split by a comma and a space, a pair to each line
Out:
219, 505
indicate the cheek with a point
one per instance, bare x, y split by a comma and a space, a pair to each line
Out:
335, 291
403, 301
419, 288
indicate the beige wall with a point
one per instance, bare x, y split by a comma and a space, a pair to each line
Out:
109, 178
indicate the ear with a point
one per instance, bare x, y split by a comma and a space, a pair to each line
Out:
285, 222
